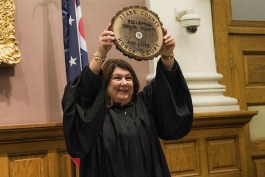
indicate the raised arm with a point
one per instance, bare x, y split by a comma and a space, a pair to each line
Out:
167, 55
84, 102
106, 40
167, 96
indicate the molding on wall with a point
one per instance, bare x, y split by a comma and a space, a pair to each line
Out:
222, 119
31, 132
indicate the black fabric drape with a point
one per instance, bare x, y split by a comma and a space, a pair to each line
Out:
96, 135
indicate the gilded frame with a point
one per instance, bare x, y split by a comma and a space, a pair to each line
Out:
9, 52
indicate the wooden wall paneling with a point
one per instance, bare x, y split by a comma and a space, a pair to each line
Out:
224, 31
212, 153
237, 74
223, 154
260, 164
4, 166
53, 161
216, 147
242, 67
33, 150
183, 157
250, 163
221, 15
258, 156
255, 80
249, 68
204, 167
248, 58
67, 167
26, 165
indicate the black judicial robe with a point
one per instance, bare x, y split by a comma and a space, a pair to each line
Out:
111, 143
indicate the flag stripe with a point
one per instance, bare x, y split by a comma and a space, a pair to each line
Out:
81, 27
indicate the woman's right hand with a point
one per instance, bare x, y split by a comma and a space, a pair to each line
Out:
106, 40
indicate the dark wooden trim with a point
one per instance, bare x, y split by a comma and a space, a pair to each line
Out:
239, 23
222, 119
246, 30
32, 132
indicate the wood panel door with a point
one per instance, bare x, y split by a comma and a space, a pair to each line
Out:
248, 69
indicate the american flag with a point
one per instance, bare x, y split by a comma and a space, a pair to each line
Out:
74, 42
74, 38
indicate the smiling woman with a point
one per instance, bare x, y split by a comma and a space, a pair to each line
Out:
112, 126
120, 88
9, 52
122, 82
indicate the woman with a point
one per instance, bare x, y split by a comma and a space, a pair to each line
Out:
115, 129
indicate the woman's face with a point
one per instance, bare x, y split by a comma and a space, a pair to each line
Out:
120, 87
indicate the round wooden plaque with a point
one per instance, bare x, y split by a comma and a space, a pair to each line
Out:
138, 32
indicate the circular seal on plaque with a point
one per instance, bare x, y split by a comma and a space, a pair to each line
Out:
138, 32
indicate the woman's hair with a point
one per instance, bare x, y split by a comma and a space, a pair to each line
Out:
108, 69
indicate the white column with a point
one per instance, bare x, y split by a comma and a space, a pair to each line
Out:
195, 54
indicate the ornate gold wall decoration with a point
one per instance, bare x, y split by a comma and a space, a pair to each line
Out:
9, 52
